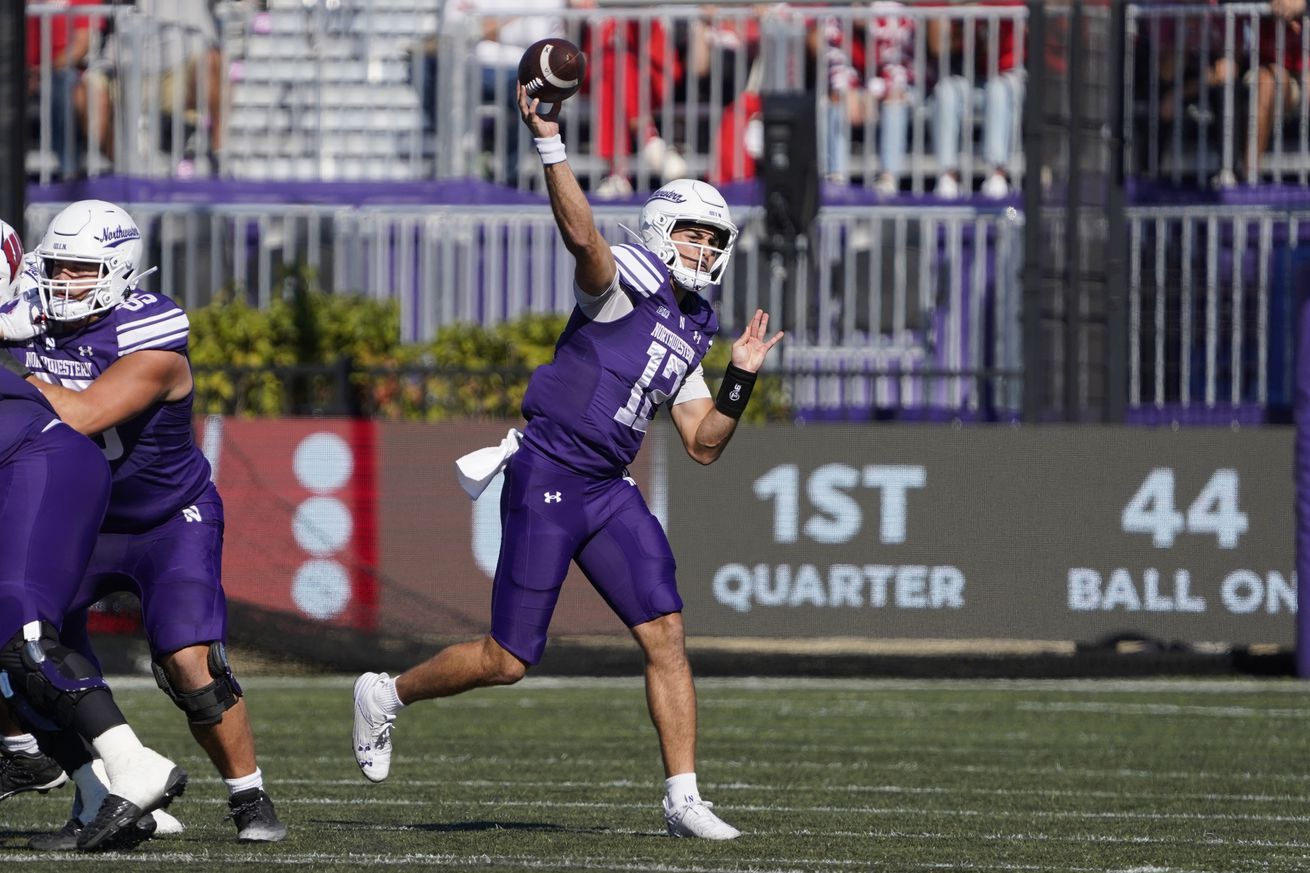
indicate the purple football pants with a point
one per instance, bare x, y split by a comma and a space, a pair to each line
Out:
551, 516
176, 570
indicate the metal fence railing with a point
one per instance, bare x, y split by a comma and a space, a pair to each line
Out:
901, 308
903, 94
1214, 94
1212, 297
124, 90
404, 90
917, 307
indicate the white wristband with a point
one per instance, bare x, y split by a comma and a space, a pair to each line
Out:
551, 149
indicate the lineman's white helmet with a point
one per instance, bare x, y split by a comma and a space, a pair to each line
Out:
11, 261
681, 202
91, 232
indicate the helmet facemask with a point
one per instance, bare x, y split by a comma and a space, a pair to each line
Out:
711, 260
85, 296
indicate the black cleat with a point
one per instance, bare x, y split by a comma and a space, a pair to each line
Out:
62, 840
25, 771
115, 826
65, 839
256, 820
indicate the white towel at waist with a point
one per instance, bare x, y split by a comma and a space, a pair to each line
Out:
476, 469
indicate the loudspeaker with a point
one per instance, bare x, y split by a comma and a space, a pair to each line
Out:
789, 167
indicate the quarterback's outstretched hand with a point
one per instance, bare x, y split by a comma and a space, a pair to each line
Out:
22, 317
541, 126
750, 349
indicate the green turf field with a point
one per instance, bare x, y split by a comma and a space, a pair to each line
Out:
820, 775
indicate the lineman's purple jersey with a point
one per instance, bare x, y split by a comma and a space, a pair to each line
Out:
157, 467
588, 409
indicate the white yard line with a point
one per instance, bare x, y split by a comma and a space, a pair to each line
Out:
748, 864
1087, 686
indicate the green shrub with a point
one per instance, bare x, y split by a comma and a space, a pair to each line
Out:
288, 358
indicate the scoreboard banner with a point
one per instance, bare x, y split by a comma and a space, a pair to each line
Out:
1049, 533
362, 524
907, 532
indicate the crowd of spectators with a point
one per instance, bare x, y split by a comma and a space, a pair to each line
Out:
169, 48
1219, 81
864, 68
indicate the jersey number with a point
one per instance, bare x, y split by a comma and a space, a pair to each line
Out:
136, 301
643, 399
108, 439
110, 443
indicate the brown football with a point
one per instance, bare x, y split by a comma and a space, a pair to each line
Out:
552, 69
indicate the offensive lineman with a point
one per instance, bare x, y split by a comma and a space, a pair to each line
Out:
112, 361
634, 341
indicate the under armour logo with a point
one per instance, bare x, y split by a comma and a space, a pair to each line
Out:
191, 513
554, 496
85, 351
695, 337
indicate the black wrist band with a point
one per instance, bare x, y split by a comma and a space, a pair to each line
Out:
734, 392
10, 363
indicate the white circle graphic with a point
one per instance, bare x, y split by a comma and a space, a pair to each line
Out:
321, 589
323, 462
322, 525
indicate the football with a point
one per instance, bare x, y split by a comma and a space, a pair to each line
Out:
552, 69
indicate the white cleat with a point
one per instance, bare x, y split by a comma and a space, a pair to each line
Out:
696, 820
373, 726
167, 824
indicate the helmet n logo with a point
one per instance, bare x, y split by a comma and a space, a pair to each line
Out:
191, 513
554, 496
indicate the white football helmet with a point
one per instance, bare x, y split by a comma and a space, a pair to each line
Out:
11, 261
91, 232
681, 202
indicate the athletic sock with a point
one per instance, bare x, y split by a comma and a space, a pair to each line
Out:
21, 743
386, 697
245, 783
681, 790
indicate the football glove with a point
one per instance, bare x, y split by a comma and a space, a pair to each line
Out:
22, 317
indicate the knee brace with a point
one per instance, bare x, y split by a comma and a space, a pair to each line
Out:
204, 705
46, 678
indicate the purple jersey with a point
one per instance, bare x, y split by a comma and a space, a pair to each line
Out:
23, 412
589, 407
157, 467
